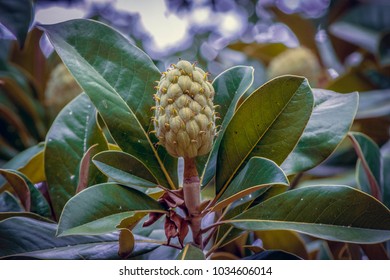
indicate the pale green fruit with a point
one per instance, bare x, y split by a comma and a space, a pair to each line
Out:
184, 118
298, 61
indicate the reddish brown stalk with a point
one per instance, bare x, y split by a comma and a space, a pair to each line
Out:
191, 189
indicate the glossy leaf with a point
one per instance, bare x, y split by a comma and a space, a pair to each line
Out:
229, 86
268, 124
124, 169
119, 78
17, 17
328, 125
23, 237
73, 132
30, 197
368, 166
258, 173
191, 252
337, 213
100, 209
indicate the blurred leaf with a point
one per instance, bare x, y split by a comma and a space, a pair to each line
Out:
229, 86
272, 255
352, 80
30, 197
374, 104
22, 237
363, 26
284, 240
329, 123
30, 215
124, 169
368, 166
257, 173
74, 130
17, 17
385, 174
9, 203
268, 124
336, 213
191, 252
263, 52
126, 243
100, 209
119, 79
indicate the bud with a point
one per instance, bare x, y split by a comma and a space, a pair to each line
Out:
184, 118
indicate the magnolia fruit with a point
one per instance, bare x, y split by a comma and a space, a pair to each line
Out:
184, 119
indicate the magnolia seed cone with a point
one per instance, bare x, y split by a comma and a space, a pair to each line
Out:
184, 118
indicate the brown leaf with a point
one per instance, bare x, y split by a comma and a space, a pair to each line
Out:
126, 243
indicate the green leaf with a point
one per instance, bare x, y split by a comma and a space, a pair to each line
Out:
22, 237
191, 252
118, 77
368, 166
17, 17
268, 124
272, 255
72, 133
9, 203
337, 213
22, 160
258, 173
328, 125
229, 86
30, 197
100, 209
124, 169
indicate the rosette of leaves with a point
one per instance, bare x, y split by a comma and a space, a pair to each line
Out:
132, 188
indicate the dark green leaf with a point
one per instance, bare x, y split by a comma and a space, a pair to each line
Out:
368, 166
100, 209
229, 86
191, 252
118, 77
17, 17
73, 132
30, 197
124, 169
329, 123
337, 213
22, 237
9, 203
268, 124
258, 173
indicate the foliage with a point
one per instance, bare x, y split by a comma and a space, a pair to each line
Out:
94, 184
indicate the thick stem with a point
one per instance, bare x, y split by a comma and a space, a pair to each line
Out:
191, 189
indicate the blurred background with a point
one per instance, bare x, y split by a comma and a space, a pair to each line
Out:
342, 46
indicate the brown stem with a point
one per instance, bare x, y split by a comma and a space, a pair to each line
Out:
191, 189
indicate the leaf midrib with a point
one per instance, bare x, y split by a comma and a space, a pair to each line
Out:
131, 111
260, 137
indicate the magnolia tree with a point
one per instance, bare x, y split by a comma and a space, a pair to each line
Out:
144, 162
